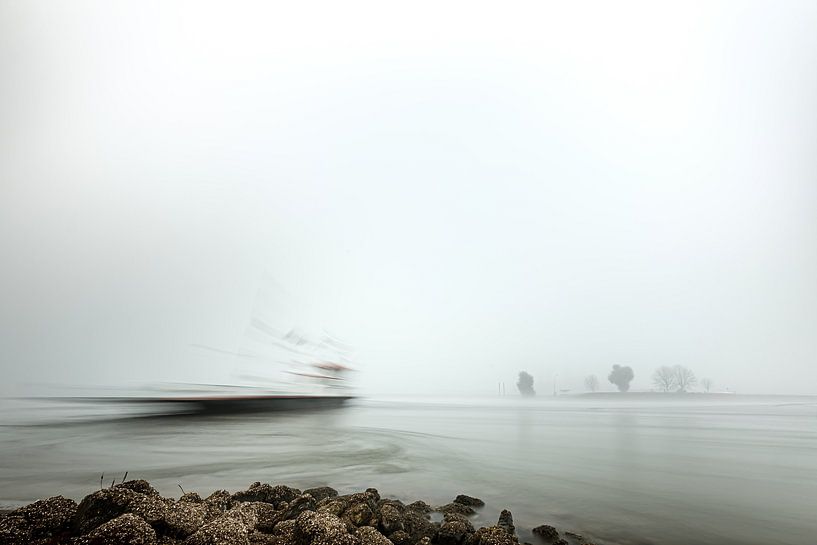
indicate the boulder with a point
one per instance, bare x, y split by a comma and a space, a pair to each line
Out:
268, 494
127, 529
14, 530
219, 501
321, 492
109, 503
470, 501
391, 518
400, 538
420, 506
304, 502
506, 522
191, 497
492, 535
225, 530
417, 526
183, 518
546, 532
374, 493
45, 519
369, 536
316, 528
454, 530
456, 508
139, 485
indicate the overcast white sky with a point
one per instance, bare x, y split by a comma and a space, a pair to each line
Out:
461, 190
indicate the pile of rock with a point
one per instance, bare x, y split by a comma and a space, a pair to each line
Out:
133, 513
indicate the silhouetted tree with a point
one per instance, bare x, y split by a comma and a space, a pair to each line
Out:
525, 384
684, 378
664, 379
591, 383
621, 375
706, 383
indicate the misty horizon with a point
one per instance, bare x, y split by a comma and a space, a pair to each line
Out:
460, 198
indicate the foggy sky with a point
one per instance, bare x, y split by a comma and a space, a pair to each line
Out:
459, 190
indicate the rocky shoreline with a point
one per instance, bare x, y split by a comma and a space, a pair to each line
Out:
134, 513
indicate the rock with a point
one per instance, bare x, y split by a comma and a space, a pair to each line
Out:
321, 492
317, 528
560, 541
456, 508
354, 509
374, 493
546, 532
139, 485
126, 529
417, 526
109, 503
360, 514
420, 506
470, 501
492, 535
334, 506
14, 530
191, 497
260, 538
268, 494
225, 530
256, 515
506, 522
304, 502
391, 519
400, 537
285, 531
219, 501
183, 518
46, 518
369, 536
454, 530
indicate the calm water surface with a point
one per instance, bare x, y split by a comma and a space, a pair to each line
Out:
735, 471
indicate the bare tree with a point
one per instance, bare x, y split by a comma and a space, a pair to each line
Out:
684, 378
591, 382
706, 383
664, 378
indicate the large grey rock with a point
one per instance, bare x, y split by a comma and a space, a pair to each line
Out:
42, 519
391, 518
546, 532
317, 528
458, 508
454, 530
506, 522
126, 529
269, 494
470, 501
369, 536
321, 492
139, 485
491, 535
225, 530
108, 504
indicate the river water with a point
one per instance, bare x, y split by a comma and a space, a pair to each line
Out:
733, 470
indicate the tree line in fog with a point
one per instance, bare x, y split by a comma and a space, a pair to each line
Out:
675, 378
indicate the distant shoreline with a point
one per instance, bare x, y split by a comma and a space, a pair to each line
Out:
687, 395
